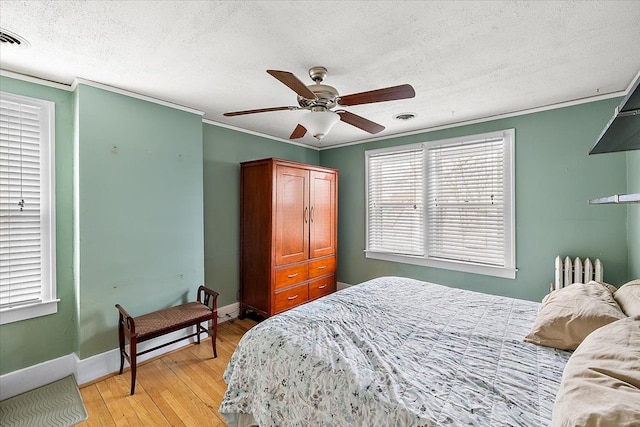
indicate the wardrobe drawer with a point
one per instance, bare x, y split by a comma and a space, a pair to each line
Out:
291, 297
288, 276
322, 266
321, 287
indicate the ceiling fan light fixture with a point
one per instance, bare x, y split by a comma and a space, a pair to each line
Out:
320, 99
319, 123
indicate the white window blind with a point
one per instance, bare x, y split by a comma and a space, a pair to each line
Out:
395, 202
26, 186
444, 204
466, 202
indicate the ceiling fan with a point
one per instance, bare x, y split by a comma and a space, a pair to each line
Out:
319, 99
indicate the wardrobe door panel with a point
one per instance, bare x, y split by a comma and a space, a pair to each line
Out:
292, 215
322, 216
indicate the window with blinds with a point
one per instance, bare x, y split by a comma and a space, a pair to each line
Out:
27, 240
446, 204
395, 201
466, 202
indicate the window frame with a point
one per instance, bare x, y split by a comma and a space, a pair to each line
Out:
49, 301
509, 269
375, 153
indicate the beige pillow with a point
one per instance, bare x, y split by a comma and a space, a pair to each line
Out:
569, 314
601, 381
611, 288
628, 297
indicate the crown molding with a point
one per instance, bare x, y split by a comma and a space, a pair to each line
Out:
79, 80
72, 87
487, 119
262, 135
36, 80
114, 89
633, 80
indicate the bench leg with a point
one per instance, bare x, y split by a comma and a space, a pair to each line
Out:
214, 333
133, 359
121, 340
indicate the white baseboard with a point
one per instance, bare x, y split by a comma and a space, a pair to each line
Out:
17, 382
232, 310
99, 365
106, 363
94, 367
342, 285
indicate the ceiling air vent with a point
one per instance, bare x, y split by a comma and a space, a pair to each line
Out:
11, 38
405, 116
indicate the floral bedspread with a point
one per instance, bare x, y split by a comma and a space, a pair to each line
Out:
395, 352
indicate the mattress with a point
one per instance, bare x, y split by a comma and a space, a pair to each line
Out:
395, 352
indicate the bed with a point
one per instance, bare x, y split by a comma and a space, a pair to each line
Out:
395, 352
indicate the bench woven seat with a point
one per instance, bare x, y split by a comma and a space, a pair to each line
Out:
172, 317
152, 325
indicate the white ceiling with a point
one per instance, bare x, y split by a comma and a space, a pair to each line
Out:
466, 60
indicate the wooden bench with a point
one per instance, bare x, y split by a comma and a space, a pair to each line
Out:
161, 322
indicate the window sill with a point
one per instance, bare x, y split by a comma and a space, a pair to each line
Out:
467, 267
16, 314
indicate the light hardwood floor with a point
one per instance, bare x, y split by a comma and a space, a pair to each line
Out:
181, 388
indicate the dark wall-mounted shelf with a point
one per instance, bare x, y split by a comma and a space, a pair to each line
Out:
622, 133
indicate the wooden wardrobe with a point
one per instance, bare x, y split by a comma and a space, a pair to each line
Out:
288, 234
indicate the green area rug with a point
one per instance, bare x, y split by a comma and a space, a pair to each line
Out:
55, 404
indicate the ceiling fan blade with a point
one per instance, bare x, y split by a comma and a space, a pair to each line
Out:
360, 122
298, 132
259, 110
293, 83
378, 95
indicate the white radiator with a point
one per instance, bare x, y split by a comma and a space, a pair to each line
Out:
568, 272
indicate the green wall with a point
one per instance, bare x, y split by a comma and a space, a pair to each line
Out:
554, 179
633, 214
224, 149
142, 185
139, 211
157, 205
33, 341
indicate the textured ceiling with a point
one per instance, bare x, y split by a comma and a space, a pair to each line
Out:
466, 60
